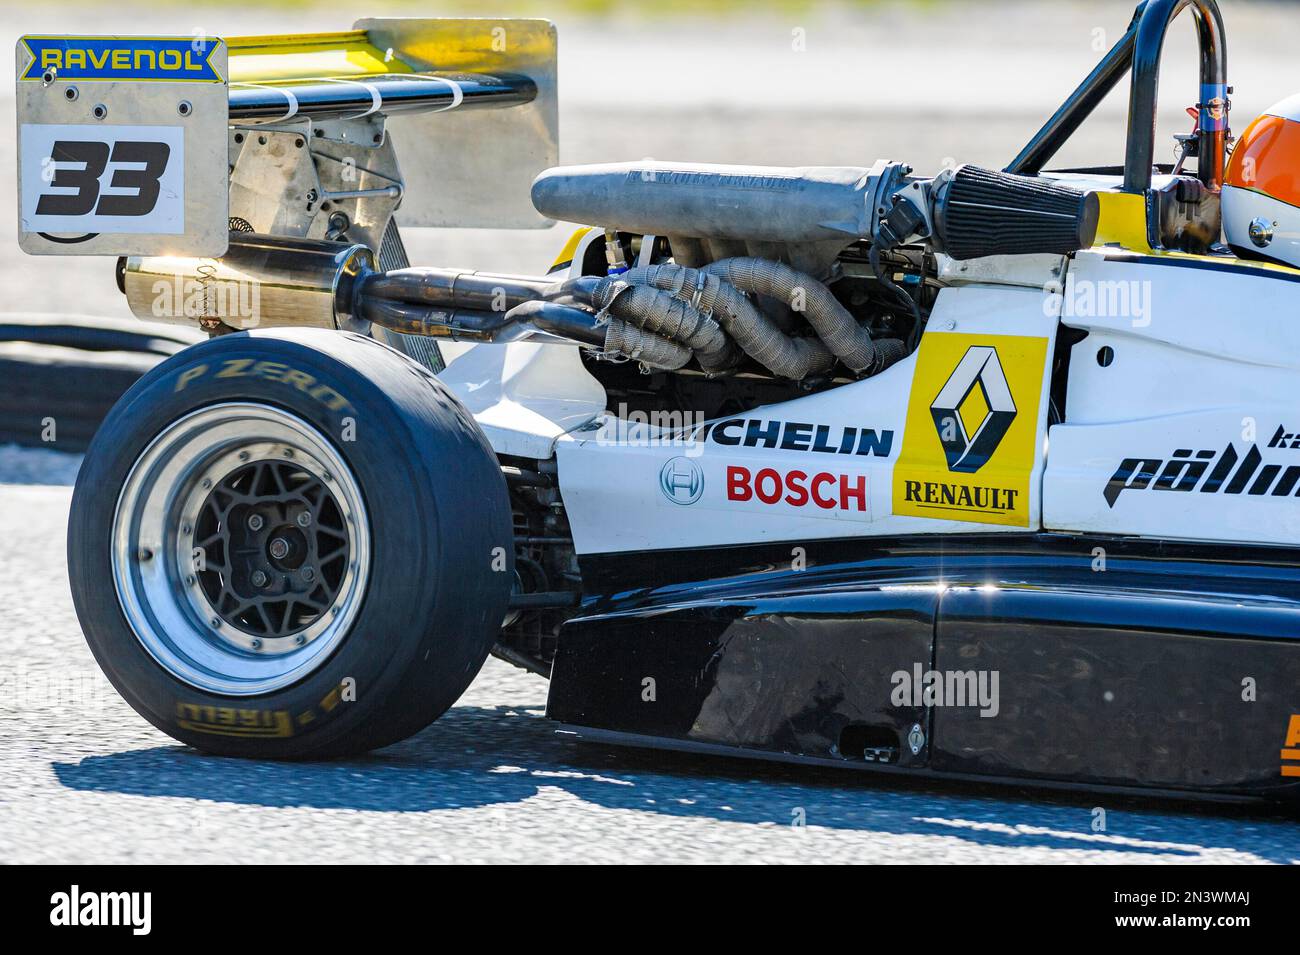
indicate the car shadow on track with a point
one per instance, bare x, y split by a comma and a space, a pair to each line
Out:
480, 756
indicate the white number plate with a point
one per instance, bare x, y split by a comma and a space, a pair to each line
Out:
92, 179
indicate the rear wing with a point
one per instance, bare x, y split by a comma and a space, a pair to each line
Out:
162, 145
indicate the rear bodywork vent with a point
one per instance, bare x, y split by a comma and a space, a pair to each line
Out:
869, 744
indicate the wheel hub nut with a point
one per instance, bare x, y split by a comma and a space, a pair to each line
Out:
279, 548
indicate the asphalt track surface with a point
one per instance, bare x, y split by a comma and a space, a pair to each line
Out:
86, 780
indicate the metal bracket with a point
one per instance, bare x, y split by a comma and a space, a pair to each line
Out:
916, 739
287, 181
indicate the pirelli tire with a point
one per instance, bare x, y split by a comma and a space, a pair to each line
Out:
290, 544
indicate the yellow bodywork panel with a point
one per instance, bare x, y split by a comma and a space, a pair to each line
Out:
271, 59
565, 258
1123, 221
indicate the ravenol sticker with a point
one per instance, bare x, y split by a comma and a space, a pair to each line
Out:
95, 58
972, 423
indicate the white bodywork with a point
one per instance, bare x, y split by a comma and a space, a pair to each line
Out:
615, 474
525, 396
1202, 355
1213, 362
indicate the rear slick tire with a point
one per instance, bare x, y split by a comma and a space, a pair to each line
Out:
290, 544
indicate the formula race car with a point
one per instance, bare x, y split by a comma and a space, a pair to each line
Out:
990, 474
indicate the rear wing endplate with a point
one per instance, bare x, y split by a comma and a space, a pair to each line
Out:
127, 144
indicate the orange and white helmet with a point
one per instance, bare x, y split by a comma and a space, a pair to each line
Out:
1261, 191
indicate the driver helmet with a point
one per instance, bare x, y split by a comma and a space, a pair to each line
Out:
1261, 191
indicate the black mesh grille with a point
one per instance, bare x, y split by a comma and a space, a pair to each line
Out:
392, 255
995, 213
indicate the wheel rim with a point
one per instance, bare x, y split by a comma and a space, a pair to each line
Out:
240, 549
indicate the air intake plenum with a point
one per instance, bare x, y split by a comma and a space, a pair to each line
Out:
981, 212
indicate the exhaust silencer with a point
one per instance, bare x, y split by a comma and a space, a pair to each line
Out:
262, 281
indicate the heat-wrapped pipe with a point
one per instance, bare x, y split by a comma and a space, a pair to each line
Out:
668, 317
653, 351
758, 336
704, 311
834, 324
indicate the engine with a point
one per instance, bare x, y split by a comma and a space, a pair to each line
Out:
796, 278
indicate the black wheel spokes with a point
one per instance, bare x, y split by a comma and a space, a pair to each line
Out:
272, 549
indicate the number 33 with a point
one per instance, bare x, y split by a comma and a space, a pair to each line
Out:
95, 157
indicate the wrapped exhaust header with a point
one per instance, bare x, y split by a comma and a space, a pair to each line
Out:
839, 332
667, 316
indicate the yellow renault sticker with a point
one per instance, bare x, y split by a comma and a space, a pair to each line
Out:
972, 425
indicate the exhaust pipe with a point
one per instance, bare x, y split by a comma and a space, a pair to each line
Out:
267, 281
531, 320
262, 281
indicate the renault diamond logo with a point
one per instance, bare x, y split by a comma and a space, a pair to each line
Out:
974, 410
682, 481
